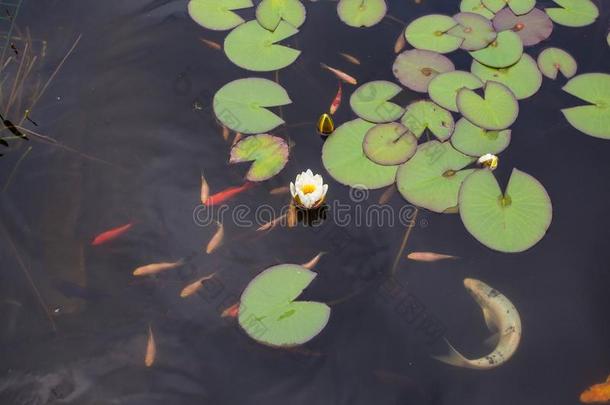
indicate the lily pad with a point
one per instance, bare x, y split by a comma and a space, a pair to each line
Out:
426, 114
476, 6
241, 105
517, 6
476, 31
389, 144
523, 78
217, 14
432, 178
532, 28
573, 13
269, 314
443, 89
370, 101
344, 158
415, 68
361, 13
430, 33
591, 119
252, 47
510, 222
269, 13
476, 141
497, 110
504, 51
553, 60
269, 154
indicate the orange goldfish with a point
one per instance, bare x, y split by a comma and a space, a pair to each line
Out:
350, 58
310, 264
597, 394
292, 216
231, 312
216, 240
155, 268
195, 286
428, 256
280, 190
271, 224
400, 43
110, 235
225, 133
151, 349
211, 44
334, 106
341, 75
205, 190
387, 194
227, 194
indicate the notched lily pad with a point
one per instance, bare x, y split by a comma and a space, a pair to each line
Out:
217, 14
361, 13
477, 7
269, 13
498, 109
432, 178
553, 60
389, 144
475, 30
269, 154
593, 119
370, 101
269, 314
416, 68
241, 105
443, 89
532, 28
573, 13
345, 160
504, 51
509, 222
517, 6
253, 47
523, 78
430, 33
425, 114
476, 141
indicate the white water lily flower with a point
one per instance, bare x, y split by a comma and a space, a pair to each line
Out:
489, 161
308, 191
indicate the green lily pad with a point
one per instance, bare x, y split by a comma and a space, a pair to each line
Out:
573, 13
476, 141
517, 6
430, 33
523, 78
476, 6
510, 222
217, 14
591, 119
269, 13
252, 47
241, 105
269, 314
497, 110
370, 101
443, 89
425, 114
476, 31
344, 158
269, 154
432, 178
415, 68
553, 60
389, 144
361, 13
504, 51
532, 28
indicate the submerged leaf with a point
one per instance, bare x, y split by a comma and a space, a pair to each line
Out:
217, 14
497, 110
432, 178
532, 28
269, 153
504, 51
510, 222
426, 114
361, 13
415, 69
591, 119
344, 158
517, 6
476, 141
523, 78
476, 31
252, 47
444, 88
389, 144
476, 6
553, 60
241, 105
573, 13
370, 101
269, 13
430, 33
269, 314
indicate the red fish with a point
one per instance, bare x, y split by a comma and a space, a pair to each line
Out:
231, 312
336, 101
111, 234
227, 194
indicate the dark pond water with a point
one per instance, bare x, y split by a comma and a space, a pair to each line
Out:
129, 115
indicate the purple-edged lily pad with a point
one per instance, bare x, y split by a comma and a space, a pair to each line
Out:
532, 28
269, 154
416, 68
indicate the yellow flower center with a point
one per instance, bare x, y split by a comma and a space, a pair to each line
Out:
308, 188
